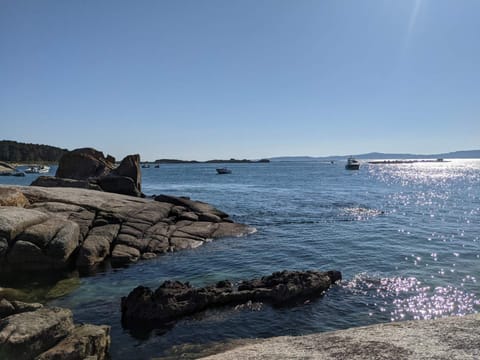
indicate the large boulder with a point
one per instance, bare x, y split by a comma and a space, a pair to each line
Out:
119, 184
130, 168
89, 169
174, 299
83, 342
82, 164
28, 334
31, 331
47, 244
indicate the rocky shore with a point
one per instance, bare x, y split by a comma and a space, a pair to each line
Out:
32, 331
173, 299
82, 218
58, 228
90, 213
447, 338
45, 229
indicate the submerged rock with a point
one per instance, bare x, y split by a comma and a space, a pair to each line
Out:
60, 228
144, 307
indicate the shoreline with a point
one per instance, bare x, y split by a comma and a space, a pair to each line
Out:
454, 337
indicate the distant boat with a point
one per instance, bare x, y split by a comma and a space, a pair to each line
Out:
224, 171
352, 164
157, 166
37, 169
145, 166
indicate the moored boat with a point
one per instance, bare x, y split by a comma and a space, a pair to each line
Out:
223, 171
37, 169
352, 164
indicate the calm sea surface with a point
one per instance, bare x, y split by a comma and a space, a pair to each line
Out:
405, 237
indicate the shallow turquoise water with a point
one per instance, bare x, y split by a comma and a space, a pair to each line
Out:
406, 238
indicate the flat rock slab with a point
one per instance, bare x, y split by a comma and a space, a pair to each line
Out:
174, 299
59, 227
447, 338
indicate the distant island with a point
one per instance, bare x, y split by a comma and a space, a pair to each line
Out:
466, 154
16, 152
216, 161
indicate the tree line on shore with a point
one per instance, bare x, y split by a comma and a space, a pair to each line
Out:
12, 151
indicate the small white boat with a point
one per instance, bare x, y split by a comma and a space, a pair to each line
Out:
38, 169
224, 171
352, 164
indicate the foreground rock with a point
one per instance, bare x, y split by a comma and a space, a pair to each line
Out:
447, 338
174, 299
57, 228
31, 331
88, 168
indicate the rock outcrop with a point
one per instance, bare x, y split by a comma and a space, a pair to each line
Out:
85, 163
453, 338
31, 331
174, 299
57, 228
88, 168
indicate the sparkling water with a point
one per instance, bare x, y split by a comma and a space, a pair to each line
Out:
406, 238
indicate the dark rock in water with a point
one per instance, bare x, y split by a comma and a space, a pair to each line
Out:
60, 228
31, 331
82, 164
174, 299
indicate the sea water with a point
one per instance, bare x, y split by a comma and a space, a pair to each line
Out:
406, 238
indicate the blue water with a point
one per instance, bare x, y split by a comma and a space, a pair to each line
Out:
405, 237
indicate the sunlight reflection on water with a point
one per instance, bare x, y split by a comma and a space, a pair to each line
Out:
409, 298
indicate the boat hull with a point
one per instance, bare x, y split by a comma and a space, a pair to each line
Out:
352, 167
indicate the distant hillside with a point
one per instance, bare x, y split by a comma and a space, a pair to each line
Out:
12, 151
467, 154
216, 161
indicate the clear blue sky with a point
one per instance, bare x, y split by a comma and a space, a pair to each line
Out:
205, 79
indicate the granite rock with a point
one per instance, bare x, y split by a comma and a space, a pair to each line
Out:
31, 331
60, 228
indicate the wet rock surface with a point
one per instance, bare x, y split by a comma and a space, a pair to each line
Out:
31, 331
144, 307
59, 228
